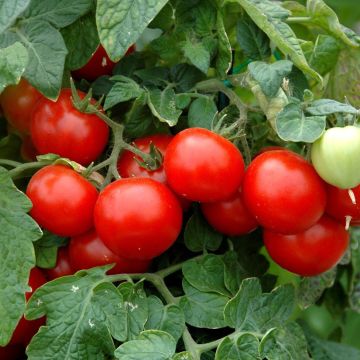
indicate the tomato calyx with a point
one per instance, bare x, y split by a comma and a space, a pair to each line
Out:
155, 157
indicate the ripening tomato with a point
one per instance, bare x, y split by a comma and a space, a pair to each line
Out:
128, 165
98, 65
341, 206
26, 329
230, 217
137, 218
63, 201
311, 252
59, 128
203, 166
87, 251
284, 192
335, 156
18, 102
63, 265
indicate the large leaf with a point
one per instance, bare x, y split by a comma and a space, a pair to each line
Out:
13, 61
82, 312
10, 10
201, 113
328, 107
121, 22
17, 256
243, 347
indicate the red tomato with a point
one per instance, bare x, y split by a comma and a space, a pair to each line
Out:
203, 166
311, 252
12, 352
230, 217
137, 218
63, 265
26, 329
129, 167
27, 149
340, 206
98, 65
57, 127
284, 192
18, 102
63, 201
87, 251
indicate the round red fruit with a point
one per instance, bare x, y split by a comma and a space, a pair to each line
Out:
62, 267
59, 128
63, 201
137, 218
203, 166
284, 192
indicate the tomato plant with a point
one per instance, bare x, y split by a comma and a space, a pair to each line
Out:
283, 192
18, 102
87, 251
203, 166
63, 266
310, 252
59, 128
63, 201
142, 204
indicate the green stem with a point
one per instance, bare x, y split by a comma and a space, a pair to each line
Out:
190, 345
299, 19
101, 165
10, 163
28, 166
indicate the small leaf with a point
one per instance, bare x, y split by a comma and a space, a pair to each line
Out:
270, 76
203, 309
292, 125
197, 54
13, 61
202, 112
9, 11
199, 235
163, 105
149, 345
185, 76
283, 343
123, 22
224, 54
243, 347
328, 107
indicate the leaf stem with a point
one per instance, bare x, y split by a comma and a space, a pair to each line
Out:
299, 19
28, 166
10, 162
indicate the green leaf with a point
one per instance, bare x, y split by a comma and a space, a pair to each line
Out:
184, 355
197, 54
156, 76
284, 343
323, 16
58, 13
81, 39
185, 76
169, 318
199, 235
206, 274
252, 40
124, 89
201, 113
268, 19
328, 107
17, 257
163, 105
136, 308
270, 77
250, 310
81, 311
13, 61
203, 309
242, 347
10, 10
149, 345
183, 100
292, 125
311, 288
224, 54
234, 272
121, 22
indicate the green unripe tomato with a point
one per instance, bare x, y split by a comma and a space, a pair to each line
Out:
336, 156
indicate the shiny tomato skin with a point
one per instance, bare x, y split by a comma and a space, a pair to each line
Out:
63, 265
88, 250
98, 65
59, 128
137, 218
203, 166
230, 217
283, 192
63, 201
129, 167
311, 252
26, 329
339, 204
18, 102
